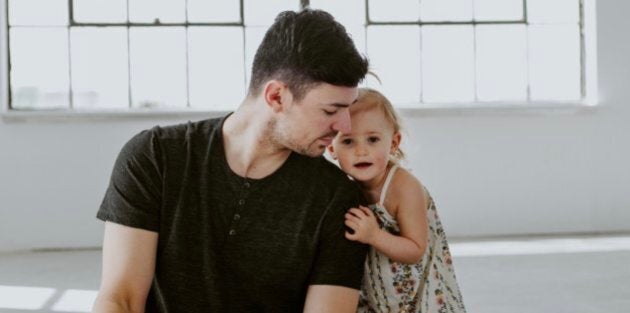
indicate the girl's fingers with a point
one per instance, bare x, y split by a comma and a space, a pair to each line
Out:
353, 211
365, 210
357, 212
350, 236
352, 217
352, 224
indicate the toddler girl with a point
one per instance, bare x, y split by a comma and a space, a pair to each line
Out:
409, 266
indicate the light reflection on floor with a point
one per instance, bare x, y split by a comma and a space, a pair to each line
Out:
541, 246
37, 298
25, 298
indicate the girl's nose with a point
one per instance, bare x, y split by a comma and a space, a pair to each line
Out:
360, 150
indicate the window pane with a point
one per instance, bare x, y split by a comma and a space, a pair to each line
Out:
501, 62
357, 33
556, 11
150, 11
158, 66
38, 12
554, 54
395, 57
217, 76
448, 63
100, 77
403, 11
347, 12
39, 80
499, 10
100, 11
263, 13
253, 37
214, 11
446, 10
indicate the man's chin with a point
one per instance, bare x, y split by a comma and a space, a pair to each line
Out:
315, 154
312, 152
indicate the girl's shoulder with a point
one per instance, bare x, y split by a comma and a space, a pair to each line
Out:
404, 181
406, 190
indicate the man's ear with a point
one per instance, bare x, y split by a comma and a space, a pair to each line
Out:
331, 150
395, 143
276, 94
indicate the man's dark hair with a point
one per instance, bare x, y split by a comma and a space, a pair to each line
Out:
305, 48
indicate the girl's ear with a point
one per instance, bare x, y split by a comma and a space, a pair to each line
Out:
395, 143
331, 150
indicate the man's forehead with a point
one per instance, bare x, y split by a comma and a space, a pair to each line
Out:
341, 104
334, 95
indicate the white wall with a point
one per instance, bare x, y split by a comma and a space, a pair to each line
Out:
490, 174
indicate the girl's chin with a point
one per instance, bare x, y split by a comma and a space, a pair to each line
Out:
361, 178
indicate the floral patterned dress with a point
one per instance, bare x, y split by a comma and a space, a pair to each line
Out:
427, 286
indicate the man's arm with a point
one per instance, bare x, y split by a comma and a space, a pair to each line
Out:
329, 298
338, 268
128, 269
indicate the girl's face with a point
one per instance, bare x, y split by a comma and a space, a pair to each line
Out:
364, 152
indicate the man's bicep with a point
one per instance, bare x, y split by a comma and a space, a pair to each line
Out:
134, 195
129, 256
339, 261
327, 298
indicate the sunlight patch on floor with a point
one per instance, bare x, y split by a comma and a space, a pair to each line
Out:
74, 300
540, 246
24, 298
37, 298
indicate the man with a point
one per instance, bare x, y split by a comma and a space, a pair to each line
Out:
242, 213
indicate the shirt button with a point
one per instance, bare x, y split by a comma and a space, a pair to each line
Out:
237, 217
241, 202
247, 184
232, 232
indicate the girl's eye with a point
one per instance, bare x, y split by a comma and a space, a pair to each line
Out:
346, 141
373, 139
330, 113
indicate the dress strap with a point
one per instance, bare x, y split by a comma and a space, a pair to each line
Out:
388, 180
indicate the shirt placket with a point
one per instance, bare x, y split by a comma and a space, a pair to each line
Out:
240, 206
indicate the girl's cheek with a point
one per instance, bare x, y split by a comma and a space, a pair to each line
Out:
344, 161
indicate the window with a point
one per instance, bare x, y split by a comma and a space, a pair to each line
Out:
476, 51
196, 54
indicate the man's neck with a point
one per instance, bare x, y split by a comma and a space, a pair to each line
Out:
249, 149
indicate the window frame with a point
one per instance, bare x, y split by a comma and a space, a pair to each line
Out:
587, 104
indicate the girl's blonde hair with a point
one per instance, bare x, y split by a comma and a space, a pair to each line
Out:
370, 99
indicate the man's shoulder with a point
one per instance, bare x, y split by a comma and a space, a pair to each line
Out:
176, 134
326, 169
186, 130
170, 138
325, 174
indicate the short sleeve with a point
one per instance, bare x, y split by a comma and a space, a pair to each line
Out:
339, 261
133, 197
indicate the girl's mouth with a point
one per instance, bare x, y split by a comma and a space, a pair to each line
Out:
363, 165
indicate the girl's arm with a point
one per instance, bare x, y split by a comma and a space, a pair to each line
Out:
411, 215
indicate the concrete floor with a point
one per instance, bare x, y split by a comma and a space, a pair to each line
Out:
520, 275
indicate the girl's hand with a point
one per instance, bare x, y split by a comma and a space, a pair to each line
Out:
363, 222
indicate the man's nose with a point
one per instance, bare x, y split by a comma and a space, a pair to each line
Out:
343, 123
